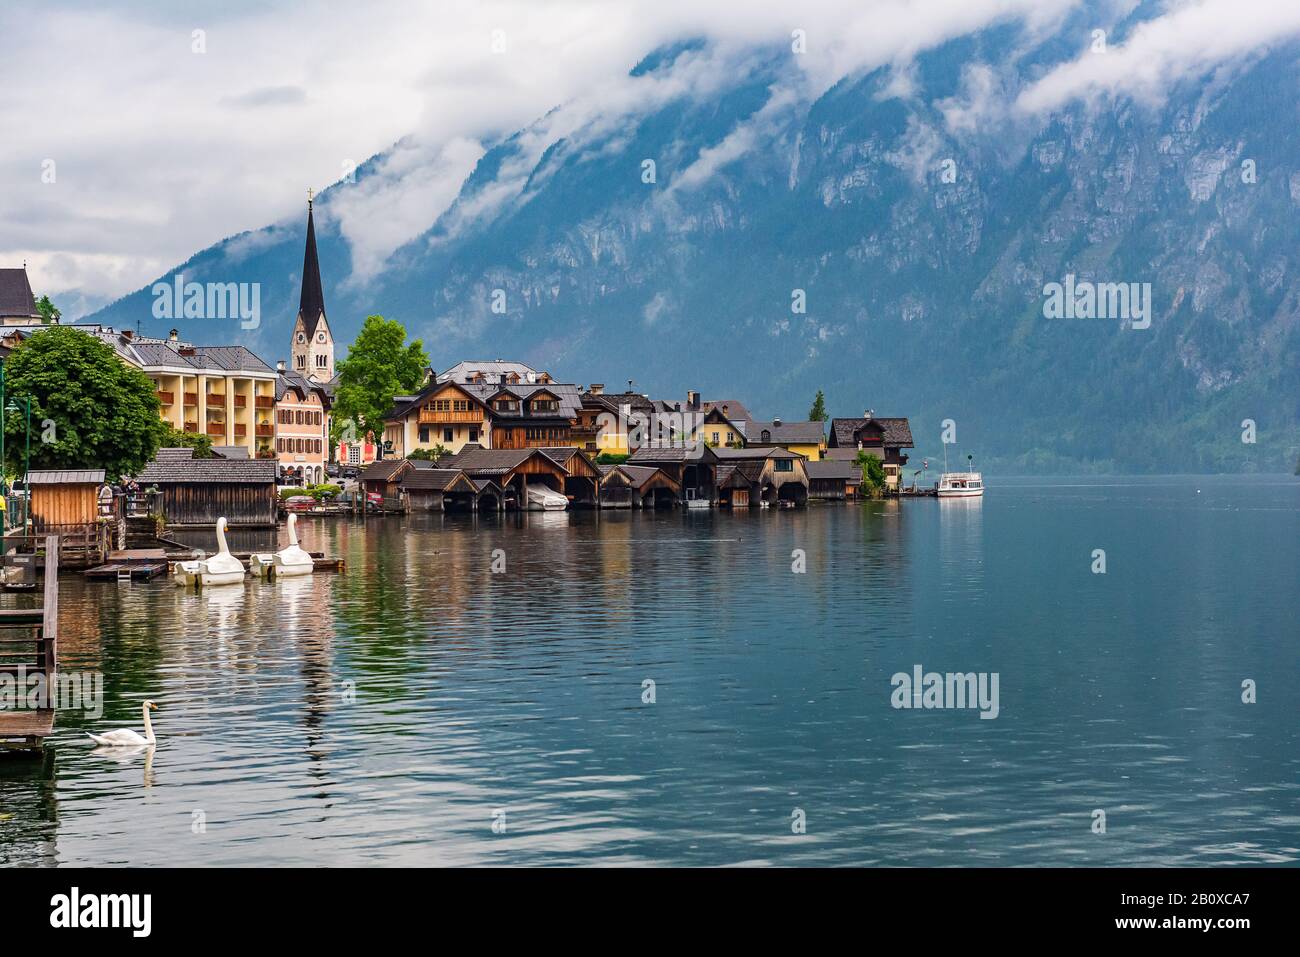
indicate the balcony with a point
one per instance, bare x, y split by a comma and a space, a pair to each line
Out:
191, 398
216, 397
241, 430
241, 401
217, 428
265, 402
166, 398
431, 417
192, 428
265, 430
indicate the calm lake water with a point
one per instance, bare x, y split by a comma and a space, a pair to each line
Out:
480, 693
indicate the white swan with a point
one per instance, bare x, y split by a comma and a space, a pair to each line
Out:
125, 737
222, 568
293, 560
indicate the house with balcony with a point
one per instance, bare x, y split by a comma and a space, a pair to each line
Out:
224, 392
885, 438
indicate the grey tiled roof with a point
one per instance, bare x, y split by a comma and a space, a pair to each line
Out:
831, 469
173, 468
897, 431
435, 480
795, 433
653, 455
67, 477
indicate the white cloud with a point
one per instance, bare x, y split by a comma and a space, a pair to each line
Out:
161, 151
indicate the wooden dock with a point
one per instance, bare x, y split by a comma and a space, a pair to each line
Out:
29, 644
132, 564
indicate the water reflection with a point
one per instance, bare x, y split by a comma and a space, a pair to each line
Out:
383, 715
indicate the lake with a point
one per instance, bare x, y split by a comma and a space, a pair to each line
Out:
423, 709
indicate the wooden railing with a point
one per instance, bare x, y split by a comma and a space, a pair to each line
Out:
241, 430
431, 417
191, 398
216, 428
166, 398
241, 401
264, 401
265, 431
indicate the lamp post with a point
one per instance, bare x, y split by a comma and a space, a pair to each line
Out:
12, 406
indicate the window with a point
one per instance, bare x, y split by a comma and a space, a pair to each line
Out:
473, 435
784, 465
300, 361
715, 438
448, 435
321, 362
767, 436
731, 437
354, 455
424, 434
546, 405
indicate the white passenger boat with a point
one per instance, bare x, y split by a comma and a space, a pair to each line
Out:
969, 484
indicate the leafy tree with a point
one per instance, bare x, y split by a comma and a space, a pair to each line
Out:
201, 444
49, 312
433, 454
818, 412
380, 365
873, 473
89, 408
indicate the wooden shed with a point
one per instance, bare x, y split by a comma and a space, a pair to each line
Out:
64, 498
199, 491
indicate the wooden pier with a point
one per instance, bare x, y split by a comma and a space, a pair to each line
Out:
132, 564
29, 644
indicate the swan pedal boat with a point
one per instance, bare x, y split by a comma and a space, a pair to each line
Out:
293, 560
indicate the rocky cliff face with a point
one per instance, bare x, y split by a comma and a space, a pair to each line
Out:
888, 243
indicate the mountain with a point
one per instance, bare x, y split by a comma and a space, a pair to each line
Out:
920, 220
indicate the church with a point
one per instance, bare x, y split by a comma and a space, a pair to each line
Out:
312, 348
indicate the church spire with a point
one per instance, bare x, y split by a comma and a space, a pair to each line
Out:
312, 302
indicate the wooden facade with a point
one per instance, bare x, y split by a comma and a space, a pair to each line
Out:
194, 491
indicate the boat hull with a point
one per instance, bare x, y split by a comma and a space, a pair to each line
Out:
960, 492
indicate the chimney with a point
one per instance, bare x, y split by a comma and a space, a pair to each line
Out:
597, 388
724, 410
279, 366
693, 400
172, 336
128, 335
777, 422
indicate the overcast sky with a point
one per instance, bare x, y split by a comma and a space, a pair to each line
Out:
131, 142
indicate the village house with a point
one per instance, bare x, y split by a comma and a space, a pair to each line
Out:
492, 372
693, 469
454, 415
301, 428
804, 438
761, 476
885, 438
606, 419
637, 486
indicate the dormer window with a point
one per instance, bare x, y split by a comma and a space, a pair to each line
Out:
506, 405
541, 406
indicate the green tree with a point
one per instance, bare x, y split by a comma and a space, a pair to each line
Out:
49, 312
818, 412
89, 408
433, 454
380, 365
873, 473
176, 439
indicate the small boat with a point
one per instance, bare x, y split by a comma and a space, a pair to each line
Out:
222, 568
968, 484
293, 560
961, 485
539, 498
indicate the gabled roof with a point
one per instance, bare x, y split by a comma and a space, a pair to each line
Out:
477, 461
637, 475
437, 480
492, 369
896, 431
174, 467
735, 410
756, 453
653, 455
791, 433
16, 298
566, 393
383, 470
404, 405
613, 401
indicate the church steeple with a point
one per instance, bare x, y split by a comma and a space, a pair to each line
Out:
313, 343
311, 304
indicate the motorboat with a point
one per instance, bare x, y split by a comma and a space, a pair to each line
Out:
539, 498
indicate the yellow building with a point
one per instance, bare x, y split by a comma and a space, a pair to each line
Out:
806, 438
224, 392
446, 414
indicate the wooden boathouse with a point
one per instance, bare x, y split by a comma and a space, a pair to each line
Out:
694, 469
65, 502
637, 486
196, 492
